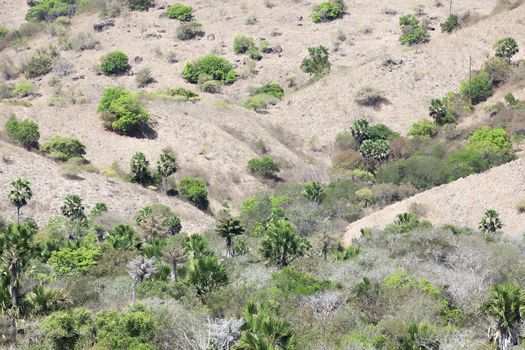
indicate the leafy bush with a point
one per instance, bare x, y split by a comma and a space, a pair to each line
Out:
327, 11
506, 47
423, 128
450, 24
293, 282
3, 32
140, 5
498, 69
264, 166
422, 172
511, 100
380, 132
478, 89
195, 191
130, 330
114, 63
23, 89
121, 111
413, 31
242, 43
41, 63
216, 67
69, 329
492, 138
189, 31
63, 148
259, 102
271, 89
49, 10
180, 11
317, 64
24, 131
66, 260
187, 94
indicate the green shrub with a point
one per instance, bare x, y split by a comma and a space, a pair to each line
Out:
189, 31
450, 24
349, 253
23, 89
422, 172
254, 53
216, 67
187, 94
140, 5
327, 11
3, 32
264, 166
129, 330
423, 128
195, 191
67, 330
317, 64
380, 132
242, 43
49, 10
293, 282
120, 111
180, 11
24, 131
41, 63
493, 138
511, 100
260, 101
498, 69
413, 31
114, 63
66, 260
476, 158
63, 148
477, 89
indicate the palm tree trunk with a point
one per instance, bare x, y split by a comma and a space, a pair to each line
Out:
174, 270
18, 215
229, 247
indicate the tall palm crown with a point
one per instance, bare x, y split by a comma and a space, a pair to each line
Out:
228, 228
20, 194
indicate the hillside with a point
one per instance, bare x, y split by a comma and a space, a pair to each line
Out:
197, 175
462, 202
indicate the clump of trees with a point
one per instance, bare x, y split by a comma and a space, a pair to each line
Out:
317, 63
207, 68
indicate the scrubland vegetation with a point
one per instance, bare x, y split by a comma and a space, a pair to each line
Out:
274, 272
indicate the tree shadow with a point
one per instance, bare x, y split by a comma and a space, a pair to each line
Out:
144, 132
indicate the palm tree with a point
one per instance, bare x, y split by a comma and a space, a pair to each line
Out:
46, 300
228, 228
174, 254
151, 221
19, 194
314, 192
73, 208
507, 304
282, 244
491, 222
121, 237
16, 250
166, 166
197, 247
207, 274
264, 331
139, 269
